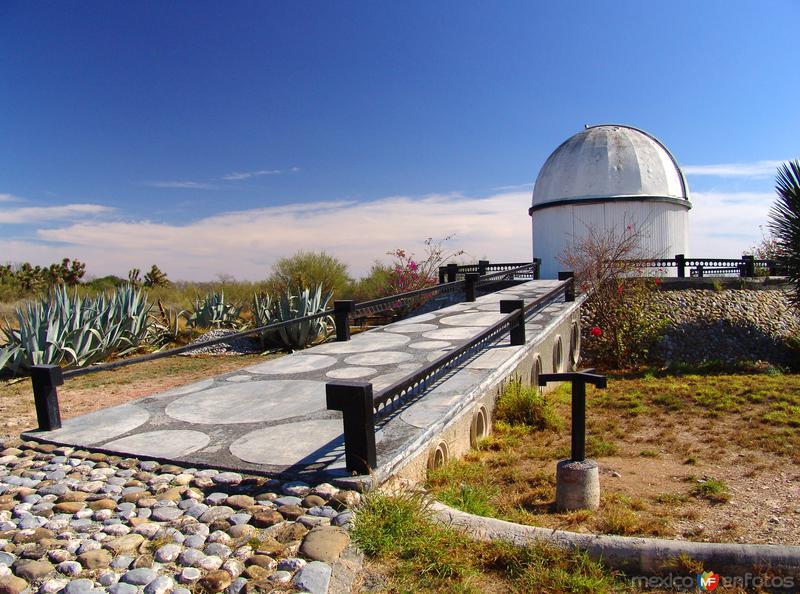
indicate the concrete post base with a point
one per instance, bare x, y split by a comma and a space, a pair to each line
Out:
577, 485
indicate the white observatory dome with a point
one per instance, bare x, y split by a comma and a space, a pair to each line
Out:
607, 177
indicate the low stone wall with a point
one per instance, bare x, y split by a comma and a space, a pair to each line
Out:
729, 325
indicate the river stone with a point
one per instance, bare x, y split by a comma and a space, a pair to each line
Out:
71, 568
168, 553
140, 576
314, 578
33, 570
122, 588
266, 518
240, 501
69, 507
189, 575
161, 585
81, 586
216, 581
325, 543
220, 512
190, 557
166, 514
98, 559
11, 584
125, 544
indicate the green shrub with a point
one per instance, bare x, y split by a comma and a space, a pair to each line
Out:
526, 405
310, 269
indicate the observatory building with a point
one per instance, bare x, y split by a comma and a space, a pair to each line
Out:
608, 177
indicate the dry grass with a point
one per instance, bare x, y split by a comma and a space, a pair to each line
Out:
663, 443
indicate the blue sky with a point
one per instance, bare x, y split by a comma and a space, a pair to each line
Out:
216, 137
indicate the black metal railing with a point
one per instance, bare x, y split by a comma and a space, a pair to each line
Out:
361, 407
745, 267
47, 378
452, 272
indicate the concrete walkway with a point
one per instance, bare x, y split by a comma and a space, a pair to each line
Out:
271, 417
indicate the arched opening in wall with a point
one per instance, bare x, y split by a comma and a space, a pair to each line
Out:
438, 456
574, 345
479, 429
558, 354
536, 370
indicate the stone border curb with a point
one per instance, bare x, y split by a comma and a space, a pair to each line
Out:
634, 555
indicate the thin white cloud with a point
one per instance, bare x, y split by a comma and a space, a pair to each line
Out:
185, 184
240, 175
756, 169
39, 215
246, 243
723, 224
10, 198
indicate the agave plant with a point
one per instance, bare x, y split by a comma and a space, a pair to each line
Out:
213, 312
306, 332
261, 308
66, 329
164, 327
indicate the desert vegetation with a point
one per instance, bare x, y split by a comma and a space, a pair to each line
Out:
51, 315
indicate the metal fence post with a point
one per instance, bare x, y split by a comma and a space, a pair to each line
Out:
355, 401
537, 266
482, 266
452, 271
45, 380
699, 271
569, 290
442, 271
470, 281
749, 266
341, 317
518, 326
680, 260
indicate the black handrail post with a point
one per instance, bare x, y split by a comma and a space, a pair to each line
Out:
341, 317
45, 380
470, 281
452, 271
518, 325
482, 266
537, 266
355, 401
699, 271
569, 290
749, 266
680, 260
442, 271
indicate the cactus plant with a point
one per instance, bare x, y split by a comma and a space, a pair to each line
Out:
65, 329
305, 303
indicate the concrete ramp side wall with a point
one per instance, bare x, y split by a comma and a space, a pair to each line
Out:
471, 418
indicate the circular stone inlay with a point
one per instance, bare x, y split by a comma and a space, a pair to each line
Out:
239, 378
293, 364
363, 343
379, 358
433, 355
187, 389
429, 345
473, 319
451, 333
416, 319
162, 444
410, 328
101, 425
386, 380
351, 372
250, 402
294, 443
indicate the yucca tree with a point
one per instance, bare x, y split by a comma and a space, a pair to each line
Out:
784, 222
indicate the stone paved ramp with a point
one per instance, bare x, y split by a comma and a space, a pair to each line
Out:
271, 417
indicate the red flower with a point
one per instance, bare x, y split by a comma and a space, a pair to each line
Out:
596, 331
658, 282
619, 290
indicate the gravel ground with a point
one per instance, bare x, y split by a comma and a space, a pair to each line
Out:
238, 346
75, 522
